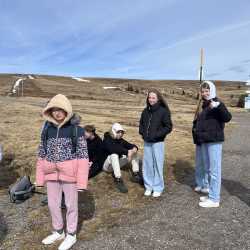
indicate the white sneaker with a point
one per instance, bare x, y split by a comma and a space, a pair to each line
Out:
204, 190
203, 198
148, 192
69, 241
55, 236
156, 194
197, 189
209, 203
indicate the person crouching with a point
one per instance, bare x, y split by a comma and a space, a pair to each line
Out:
119, 153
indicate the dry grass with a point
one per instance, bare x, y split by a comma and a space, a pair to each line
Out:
101, 206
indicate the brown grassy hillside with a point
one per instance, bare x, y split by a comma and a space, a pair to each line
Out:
20, 125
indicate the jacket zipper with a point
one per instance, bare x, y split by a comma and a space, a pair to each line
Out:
57, 134
149, 124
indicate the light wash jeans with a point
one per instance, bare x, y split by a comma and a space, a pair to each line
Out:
201, 173
153, 163
212, 157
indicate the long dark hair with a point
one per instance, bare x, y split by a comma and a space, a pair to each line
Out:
160, 98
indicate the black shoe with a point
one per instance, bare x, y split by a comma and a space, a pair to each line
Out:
136, 178
120, 185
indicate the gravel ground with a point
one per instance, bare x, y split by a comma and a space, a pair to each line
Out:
176, 222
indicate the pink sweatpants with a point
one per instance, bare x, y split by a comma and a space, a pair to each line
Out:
54, 191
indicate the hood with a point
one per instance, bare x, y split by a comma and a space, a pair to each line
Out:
58, 101
212, 90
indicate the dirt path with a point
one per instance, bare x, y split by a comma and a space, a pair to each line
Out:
177, 222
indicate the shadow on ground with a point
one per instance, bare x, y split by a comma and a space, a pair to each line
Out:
183, 173
86, 207
235, 188
3, 228
8, 174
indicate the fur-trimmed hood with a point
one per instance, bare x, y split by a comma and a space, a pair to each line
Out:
58, 101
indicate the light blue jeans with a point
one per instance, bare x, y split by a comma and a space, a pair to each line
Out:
212, 157
153, 164
201, 173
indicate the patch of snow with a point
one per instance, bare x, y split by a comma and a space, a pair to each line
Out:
111, 87
80, 79
31, 77
16, 85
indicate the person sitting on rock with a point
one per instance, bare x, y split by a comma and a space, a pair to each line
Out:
95, 151
119, 153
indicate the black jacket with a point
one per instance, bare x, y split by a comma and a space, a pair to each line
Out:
210, 123
96, 155
95, 150
155, 123
116, 146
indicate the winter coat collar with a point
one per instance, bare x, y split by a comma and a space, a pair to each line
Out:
154, 107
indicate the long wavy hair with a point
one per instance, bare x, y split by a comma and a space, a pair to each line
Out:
160, 97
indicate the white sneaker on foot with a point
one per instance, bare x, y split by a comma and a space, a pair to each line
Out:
204, 190
203, 198
209, 203
69, 241
197, 189
156, 194
148, 192
55, 236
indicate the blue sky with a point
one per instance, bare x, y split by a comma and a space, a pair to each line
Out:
150, 39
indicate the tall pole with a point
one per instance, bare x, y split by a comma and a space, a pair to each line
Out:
22, 88
201, 64
201, 78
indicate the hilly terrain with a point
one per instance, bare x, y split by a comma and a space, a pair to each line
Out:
99, 101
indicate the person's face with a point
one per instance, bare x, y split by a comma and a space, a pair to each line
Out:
58, 114
119, 134
88, 135
152, 98
205, 93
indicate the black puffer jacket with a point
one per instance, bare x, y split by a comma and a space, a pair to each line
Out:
96, 155
116, 146
95, 150
210, 123
155, 123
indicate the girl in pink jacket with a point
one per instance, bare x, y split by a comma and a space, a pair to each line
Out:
63, 167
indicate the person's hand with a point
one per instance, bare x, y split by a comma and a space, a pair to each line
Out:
214, 104
135, 150
131, 152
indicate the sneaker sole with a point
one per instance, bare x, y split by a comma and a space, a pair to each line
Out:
210, 206
53, 241
68, 247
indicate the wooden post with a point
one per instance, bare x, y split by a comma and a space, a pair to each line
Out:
201, 77
201, 64
22, 87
